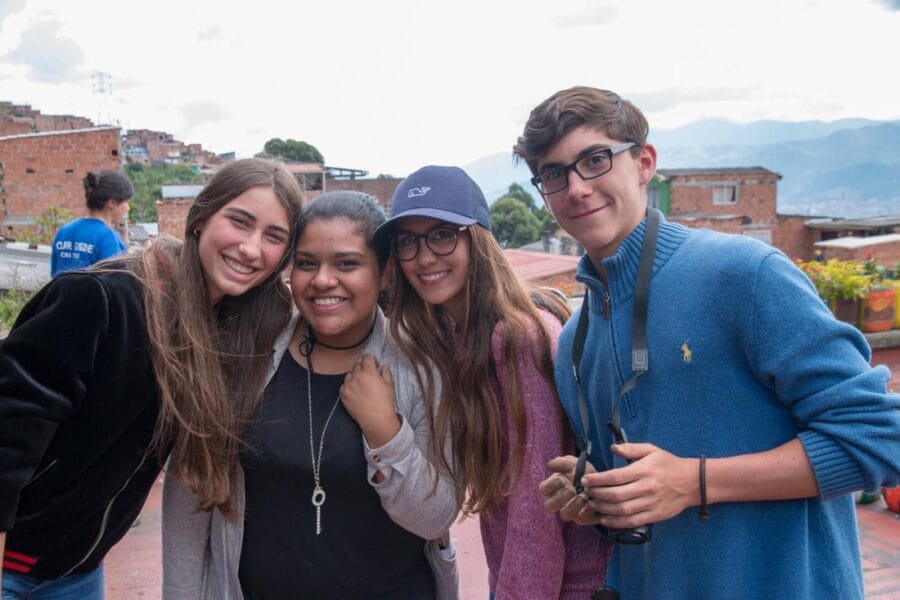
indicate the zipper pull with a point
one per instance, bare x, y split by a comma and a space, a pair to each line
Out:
606, 306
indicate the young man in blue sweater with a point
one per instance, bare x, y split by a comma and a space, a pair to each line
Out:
757, 406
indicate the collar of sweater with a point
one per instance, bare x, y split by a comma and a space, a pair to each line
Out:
622, 267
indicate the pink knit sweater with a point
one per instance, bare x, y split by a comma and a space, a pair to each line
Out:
530, 552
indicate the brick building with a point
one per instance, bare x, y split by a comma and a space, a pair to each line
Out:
542, 268
739, 200
148, 146
21, 119
40, 170
172, 209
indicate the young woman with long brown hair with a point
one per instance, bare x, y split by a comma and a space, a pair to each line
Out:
336, 492
459, 305
109, 370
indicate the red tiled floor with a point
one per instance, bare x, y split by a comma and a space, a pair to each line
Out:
133, 568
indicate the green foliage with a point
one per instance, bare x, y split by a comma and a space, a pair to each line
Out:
293, 150
536, 208
838, 279
45, 225
11, 303
513, 224
148, 181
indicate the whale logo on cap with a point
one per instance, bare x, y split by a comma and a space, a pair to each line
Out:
419, 191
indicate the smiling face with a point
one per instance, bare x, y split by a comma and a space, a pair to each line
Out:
336, 280
242, 243
599, 212
438, 280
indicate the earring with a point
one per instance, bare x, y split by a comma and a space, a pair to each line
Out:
196, 233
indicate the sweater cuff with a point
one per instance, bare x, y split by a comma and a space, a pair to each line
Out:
388, 457
837, 472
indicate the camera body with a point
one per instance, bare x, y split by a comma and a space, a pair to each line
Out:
627, 537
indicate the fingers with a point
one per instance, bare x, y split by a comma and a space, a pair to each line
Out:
633, 451
557, 491
563, 464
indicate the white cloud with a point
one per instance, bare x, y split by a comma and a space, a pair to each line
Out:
387, 87
49, 56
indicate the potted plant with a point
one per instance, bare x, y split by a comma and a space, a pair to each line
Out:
878, 307
842, 284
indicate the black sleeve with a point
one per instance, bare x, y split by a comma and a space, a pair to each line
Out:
46, 365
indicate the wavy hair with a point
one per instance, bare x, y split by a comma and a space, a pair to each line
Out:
483, 468
211, 361
566, 110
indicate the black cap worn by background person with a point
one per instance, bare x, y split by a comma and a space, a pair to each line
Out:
442, 193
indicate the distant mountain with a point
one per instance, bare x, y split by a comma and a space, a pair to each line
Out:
847, 168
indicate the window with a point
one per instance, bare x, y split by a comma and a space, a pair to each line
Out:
725, 194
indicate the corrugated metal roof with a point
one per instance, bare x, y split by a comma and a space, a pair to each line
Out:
714, 171
180, 191
859, 242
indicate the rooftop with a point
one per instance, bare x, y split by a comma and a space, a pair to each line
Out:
532, 266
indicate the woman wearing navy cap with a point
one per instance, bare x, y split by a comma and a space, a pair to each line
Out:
460, 306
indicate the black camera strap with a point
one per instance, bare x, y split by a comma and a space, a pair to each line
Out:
639, 355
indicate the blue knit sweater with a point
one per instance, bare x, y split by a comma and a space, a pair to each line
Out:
743, 357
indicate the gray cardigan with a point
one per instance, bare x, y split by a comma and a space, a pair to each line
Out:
202, 549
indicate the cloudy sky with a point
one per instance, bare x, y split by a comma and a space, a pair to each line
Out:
391, 85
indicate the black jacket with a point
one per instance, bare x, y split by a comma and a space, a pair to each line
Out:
78, 408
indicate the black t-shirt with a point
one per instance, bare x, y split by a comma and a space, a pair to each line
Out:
361, 552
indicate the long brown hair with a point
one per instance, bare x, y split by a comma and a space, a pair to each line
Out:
211, 362
469, 413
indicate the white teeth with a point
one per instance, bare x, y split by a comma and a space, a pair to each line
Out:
432, 276
238, 267
326, 301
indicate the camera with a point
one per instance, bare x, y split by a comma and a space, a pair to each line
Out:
627, 537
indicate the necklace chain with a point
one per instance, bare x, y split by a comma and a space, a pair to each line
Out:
306, 349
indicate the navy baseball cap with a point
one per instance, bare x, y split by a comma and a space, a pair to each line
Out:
443, 193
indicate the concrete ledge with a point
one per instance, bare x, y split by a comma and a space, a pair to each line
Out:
42, 248
884, 339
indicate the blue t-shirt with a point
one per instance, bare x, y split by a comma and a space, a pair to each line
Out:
83, 242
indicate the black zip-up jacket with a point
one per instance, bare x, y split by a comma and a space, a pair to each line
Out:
78, 408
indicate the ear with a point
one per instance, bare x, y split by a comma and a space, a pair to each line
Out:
646, 164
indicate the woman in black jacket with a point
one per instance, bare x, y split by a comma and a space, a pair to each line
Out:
110, 370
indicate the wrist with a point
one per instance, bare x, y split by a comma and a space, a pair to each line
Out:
381, 430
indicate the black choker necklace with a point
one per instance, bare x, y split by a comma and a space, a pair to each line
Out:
307, 345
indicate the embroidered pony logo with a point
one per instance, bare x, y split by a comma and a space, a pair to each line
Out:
686, 351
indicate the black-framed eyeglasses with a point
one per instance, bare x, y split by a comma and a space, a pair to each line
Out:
441, 241
555, 179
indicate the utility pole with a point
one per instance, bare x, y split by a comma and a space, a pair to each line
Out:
102, 87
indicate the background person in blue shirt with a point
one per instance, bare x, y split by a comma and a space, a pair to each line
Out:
83, 242
757, 402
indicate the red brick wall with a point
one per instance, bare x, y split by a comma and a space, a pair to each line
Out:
171, 215
43, 170
15, 126
793, 238
756, 195
61, 123
733, 225
383, 189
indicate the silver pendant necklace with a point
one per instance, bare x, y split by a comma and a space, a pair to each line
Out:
318, 495
306, 349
